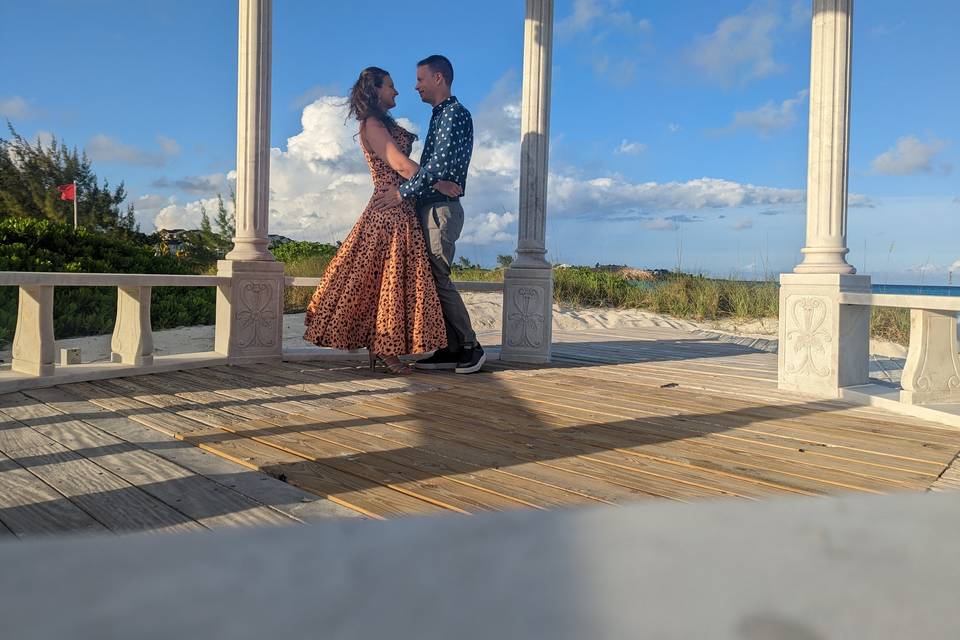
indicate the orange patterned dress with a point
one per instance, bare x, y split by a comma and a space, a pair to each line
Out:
378, 291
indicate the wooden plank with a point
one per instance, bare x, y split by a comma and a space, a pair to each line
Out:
258, 487
733, 428
195, 496
675, 486
786, 421
496, 459
718, 483
30, 507
427, 478
342, 488
293, 438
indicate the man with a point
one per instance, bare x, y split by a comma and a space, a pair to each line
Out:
446, 156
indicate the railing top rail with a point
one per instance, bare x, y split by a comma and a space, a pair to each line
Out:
40, 278
932, 303
462, 285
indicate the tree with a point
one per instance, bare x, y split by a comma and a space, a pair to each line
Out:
504, 261
208, 237
30, 173
227, 223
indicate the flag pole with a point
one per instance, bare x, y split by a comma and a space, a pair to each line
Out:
74, 204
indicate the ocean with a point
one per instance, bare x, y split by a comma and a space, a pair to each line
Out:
916, 289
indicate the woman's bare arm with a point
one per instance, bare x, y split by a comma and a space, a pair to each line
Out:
379, 140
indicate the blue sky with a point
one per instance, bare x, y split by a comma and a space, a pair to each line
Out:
678, 129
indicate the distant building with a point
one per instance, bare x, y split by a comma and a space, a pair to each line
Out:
276, 241
171, 241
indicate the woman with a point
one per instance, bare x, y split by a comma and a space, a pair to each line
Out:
378, 291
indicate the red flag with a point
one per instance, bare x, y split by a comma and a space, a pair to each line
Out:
68, 191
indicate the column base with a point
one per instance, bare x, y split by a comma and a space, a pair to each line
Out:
824, 345
527, 315
825, 261
250, 311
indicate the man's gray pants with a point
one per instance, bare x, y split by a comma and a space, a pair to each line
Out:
442, 223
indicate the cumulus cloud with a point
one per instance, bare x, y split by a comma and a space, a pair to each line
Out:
743, 225
909, 156
187, 216
103, 148
673, 127
741, 48
14, 108
955, 266
769, 118
320, 183
630, 148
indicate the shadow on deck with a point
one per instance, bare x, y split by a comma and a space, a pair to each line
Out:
620, 416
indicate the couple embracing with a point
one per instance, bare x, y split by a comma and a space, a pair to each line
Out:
388, 288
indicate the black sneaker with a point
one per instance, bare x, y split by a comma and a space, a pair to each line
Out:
441, 359
471, 359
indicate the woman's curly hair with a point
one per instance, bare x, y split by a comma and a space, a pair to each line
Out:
364, 101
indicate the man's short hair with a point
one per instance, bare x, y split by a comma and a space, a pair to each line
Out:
439, 64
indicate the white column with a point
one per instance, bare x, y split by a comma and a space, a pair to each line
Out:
528, 283
824, 345
535, 133
250, 295
253, 132
829, 138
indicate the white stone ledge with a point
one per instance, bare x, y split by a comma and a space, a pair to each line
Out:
11, 381
935, 303
877, 567
36, 278
461, 285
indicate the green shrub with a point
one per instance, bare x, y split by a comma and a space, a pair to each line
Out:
28, 244
298, 251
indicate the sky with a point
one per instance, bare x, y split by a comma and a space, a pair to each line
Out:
678, 129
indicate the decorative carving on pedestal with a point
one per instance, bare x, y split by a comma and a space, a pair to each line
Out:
527, 311
255, 315
932, 371
526, 319
250, 310
808, 336
824, 345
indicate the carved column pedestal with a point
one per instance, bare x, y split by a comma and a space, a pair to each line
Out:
932, 372
33, 345
132, 341
527, 317
824, 345
250, 311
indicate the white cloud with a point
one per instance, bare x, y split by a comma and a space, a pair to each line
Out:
489, 228
14, 107
187, 216
673, 127
45, 138
769, 118
741, 47
600, 15
320, 183
600, 197
955, 266
103, 148
926, 267
909, 156
169, 145
630, 148
743, 225
593, 23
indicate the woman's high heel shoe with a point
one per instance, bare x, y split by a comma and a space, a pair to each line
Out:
395, 366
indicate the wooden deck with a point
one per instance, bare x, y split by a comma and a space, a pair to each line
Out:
620, 416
